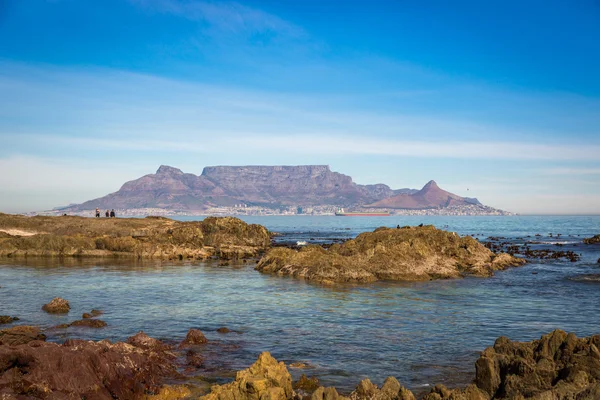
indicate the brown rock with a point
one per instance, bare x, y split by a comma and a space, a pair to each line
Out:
57, 306
593, 240
193, 359
5, 319
143, 341
407, 254
20, 335
223, 330
266, 379
307, 385
81, 369
96, 313
90, 323
193, 337
86, 315
559, 365
390, 390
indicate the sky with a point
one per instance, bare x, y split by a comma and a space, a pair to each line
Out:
494, 100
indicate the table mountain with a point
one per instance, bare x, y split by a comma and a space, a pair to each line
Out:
264, 186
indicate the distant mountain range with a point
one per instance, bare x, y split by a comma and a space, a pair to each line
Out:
271, 187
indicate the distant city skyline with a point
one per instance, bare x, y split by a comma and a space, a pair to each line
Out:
502, 99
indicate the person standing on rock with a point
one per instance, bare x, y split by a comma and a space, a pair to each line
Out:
97, 212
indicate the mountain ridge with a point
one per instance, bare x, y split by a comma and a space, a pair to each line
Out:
270, 187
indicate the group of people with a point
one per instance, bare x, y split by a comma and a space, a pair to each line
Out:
108, 214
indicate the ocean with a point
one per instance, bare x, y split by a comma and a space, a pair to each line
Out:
422, 333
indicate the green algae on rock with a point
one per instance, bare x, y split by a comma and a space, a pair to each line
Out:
406, 254
143, 238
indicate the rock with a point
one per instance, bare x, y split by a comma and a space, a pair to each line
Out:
90, 323
407, 254
559, 365
471, 392
171, 392
149, 238
5, 319
145, 342
57, 306
193, 337
306, 385
593, 240
82, 369
86, 315
390, 390
20, 335
266, 379
193, 359
96, 313
223, 330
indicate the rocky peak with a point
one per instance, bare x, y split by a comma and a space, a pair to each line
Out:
166, 170
431, 185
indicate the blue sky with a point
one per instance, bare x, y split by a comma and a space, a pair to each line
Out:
502, 98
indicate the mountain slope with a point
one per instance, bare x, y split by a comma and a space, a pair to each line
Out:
431, 196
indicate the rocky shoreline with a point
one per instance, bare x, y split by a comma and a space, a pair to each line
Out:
557, 366
139, 238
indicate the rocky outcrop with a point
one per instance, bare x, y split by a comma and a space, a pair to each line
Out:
7, 319
407, 254
20, 335
81, 369
390, 390
593, 240
157, 238
193, 337
557, 366
57, 306
89, 323
266, 379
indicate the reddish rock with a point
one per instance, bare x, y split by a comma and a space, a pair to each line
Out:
194, 336
20, 335
193, 359
90, 323
57, 306
143, 341
86, 315
223, 330
81, 369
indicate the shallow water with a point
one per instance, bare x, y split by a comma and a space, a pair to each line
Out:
422, 333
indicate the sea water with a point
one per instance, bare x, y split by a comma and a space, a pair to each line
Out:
422, 333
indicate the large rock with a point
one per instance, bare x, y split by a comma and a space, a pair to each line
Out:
193, 337
20, 335
79, 369
557, 366
160, 238
407, 254
145, 342
390, 390
266, 379
592, 240
57, 306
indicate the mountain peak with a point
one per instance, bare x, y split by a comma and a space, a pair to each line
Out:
431, 185
165, 169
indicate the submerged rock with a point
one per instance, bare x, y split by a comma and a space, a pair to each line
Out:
90, 323
20, 335
57, 306
593, 240
266, 379
407, 254
82, 369
193, 337
6, 319
223, 330
586, 278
